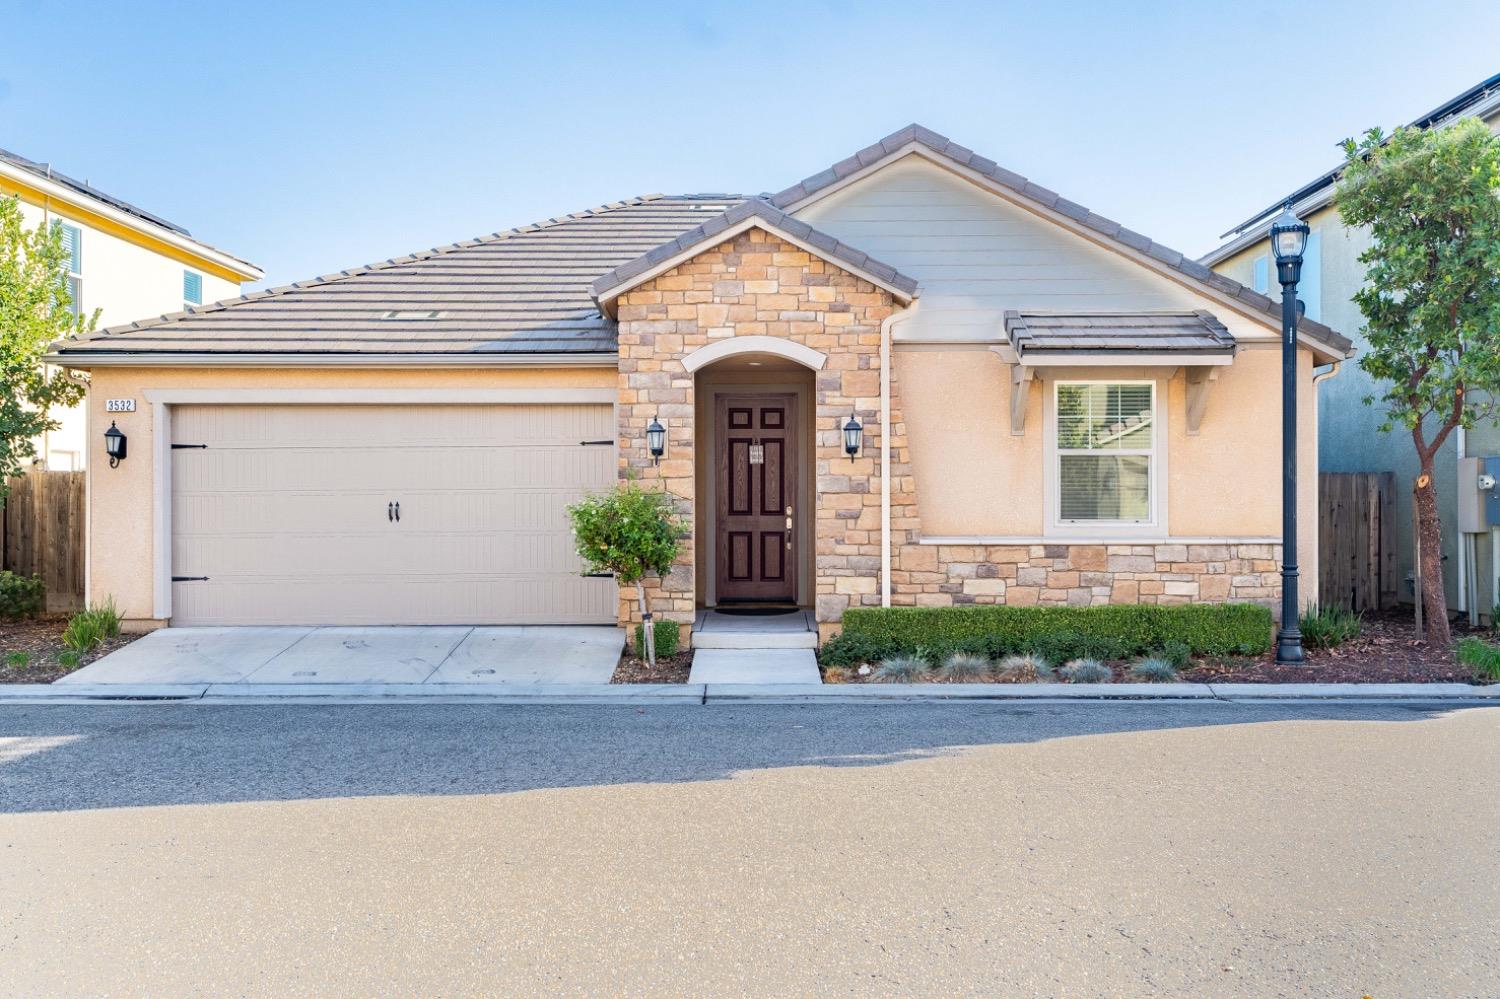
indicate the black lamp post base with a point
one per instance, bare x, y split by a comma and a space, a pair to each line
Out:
1289, 649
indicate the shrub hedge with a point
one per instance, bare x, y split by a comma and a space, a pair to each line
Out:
1059, 633
668, 638
21, 596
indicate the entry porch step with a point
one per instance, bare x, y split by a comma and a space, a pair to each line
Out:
754, 666
716, 630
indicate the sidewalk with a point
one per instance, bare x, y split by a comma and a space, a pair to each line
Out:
728, 693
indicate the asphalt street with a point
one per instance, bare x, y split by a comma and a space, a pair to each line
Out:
1001, 849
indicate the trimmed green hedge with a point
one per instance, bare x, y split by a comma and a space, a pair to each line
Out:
1109, 632
668, 638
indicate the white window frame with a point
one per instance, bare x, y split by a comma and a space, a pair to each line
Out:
75, 278
1156, 524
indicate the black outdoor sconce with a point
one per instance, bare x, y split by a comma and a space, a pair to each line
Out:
656, 440
114, 444
854, 436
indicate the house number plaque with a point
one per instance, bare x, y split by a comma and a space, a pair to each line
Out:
119, 405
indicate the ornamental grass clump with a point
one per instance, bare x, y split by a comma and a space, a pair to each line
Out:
1026, 668
963, 667
1153, 670
1482, 658
901, 669
1086, 671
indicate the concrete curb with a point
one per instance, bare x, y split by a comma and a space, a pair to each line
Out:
728, 693
947, 692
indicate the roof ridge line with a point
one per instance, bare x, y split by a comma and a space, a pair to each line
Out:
335, 277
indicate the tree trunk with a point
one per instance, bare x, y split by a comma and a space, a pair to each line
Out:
648, 627
1430, 545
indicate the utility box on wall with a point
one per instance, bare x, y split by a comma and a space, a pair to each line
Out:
1478, 494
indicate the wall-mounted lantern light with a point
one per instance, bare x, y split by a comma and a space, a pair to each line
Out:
656, 440
114, 444
854, 436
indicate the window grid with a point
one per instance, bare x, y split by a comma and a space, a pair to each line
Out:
1105, 444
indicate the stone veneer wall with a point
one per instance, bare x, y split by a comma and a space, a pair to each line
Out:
1083, 575
757, 284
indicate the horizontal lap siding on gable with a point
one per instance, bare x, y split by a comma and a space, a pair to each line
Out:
976, 255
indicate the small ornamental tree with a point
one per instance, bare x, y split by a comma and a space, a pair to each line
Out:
631, 532
35, 311
1431, 299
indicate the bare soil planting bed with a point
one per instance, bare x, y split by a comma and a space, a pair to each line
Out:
39, 641
669, 669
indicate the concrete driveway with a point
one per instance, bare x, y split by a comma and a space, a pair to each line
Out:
498, 655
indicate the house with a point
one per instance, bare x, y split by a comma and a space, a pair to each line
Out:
1052, 409
125, 262
1349, 433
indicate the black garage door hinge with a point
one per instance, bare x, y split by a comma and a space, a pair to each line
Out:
598, 575
182, 447
594, 443
189, 579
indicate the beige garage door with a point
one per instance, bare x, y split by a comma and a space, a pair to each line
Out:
384, 514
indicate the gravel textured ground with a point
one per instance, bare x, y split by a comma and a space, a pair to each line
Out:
1120, 850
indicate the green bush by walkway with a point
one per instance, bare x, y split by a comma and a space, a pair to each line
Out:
1110, 632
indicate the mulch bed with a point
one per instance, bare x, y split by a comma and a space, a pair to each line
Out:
1386, 651
669, 669
41, 641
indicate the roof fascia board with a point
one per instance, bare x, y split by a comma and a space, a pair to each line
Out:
1120, 358
1077, 228
606, 299
226, 266
208, 359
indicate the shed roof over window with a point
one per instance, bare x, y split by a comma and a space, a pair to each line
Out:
1118, 338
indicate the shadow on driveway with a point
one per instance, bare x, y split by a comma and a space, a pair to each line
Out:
65, 757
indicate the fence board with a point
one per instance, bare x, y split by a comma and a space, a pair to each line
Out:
1356, 550
42, 525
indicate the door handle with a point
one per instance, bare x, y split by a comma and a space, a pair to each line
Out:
398, 511
390, 511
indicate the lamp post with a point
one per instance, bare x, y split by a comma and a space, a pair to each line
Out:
1288, 242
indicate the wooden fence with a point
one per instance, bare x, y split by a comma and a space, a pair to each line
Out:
1356, 540
41, 531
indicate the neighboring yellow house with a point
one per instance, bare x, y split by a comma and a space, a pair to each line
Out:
1348, 431
127, 263
1050, 410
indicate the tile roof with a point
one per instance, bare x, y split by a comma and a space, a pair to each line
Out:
1053, 333
525, 290
621, 277
1334, 342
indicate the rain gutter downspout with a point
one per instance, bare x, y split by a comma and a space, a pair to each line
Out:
886, 328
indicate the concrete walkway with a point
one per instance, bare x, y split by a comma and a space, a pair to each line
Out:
292, 656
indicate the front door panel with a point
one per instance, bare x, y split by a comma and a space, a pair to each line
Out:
756, 468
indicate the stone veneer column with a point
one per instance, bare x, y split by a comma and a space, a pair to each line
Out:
757, 284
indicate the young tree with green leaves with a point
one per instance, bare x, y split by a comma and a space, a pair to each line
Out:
35, 312
1431, 298
631, 532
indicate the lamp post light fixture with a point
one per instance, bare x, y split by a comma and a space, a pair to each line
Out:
854, 436
114, 445
656, 440
1288, 243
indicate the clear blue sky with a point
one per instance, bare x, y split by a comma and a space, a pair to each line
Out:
309, 137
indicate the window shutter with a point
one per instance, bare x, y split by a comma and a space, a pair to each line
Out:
192, 288
72, 241
1310, 291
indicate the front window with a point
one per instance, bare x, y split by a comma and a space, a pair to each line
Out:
1106, 444
72, 241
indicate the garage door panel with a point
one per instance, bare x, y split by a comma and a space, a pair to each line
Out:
285, 511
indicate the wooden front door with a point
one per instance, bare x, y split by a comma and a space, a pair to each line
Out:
756, 445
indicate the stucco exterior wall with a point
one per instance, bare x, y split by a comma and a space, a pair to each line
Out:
121, 524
